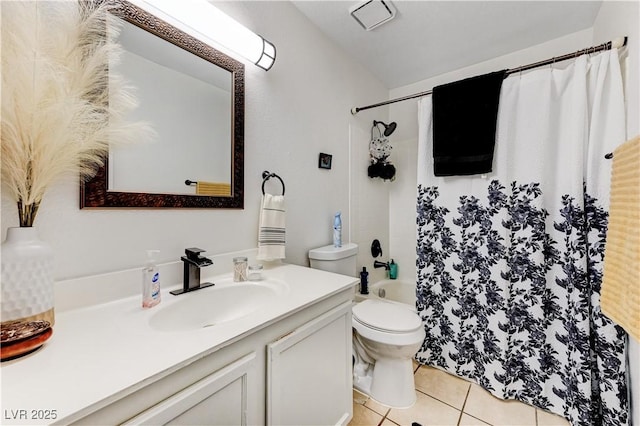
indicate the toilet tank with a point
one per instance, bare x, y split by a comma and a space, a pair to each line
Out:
341, 260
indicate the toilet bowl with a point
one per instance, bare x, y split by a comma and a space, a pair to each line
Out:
386, 336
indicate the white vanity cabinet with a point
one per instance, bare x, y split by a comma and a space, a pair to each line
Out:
309, 376
294, 370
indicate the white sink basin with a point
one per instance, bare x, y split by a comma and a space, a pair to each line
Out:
224, 302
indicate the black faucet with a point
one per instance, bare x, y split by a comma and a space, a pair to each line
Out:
377, 264
193, 262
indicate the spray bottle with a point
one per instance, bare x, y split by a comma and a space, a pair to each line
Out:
337, 230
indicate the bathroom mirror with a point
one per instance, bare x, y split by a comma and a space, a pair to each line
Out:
193, 97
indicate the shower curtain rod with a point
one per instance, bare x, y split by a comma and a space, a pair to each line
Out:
615, 43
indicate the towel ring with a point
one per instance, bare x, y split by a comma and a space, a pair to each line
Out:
266, 176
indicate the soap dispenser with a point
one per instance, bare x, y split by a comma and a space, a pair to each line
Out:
393, 270
151, 281
364, 281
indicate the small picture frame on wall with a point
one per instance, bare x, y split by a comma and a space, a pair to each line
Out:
324, 161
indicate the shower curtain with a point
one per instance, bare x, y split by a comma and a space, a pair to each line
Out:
510, 264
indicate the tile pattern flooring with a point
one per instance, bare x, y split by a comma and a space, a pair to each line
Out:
446, 400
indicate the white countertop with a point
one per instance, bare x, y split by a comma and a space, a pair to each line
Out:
100, 353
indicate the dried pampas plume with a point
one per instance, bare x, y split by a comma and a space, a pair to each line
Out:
60, 104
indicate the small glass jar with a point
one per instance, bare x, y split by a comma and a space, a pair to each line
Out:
240, 269
255, 272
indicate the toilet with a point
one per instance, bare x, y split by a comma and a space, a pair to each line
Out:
386, 336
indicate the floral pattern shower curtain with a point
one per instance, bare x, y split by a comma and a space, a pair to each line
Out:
510, 264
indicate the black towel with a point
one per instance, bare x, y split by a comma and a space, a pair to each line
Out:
464, 124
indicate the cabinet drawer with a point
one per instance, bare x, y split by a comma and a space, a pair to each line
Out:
217, 399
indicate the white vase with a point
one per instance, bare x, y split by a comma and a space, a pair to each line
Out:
27, 277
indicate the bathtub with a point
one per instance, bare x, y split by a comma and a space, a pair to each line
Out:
394, 290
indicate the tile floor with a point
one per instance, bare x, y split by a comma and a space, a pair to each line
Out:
446, 400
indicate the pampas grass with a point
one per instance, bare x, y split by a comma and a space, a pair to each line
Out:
60, 104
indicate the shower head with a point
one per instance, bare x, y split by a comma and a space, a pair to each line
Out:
388, 128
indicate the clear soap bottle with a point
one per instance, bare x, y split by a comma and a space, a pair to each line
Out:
151, 281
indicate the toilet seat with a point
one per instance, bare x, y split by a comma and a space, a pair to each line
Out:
387, 323
386, 317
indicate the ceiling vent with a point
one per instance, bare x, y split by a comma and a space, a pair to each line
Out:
373, 13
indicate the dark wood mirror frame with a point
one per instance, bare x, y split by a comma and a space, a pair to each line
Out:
95, 194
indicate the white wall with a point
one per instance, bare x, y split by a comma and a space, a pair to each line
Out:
299, 108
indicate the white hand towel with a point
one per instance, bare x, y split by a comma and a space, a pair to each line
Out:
271, 233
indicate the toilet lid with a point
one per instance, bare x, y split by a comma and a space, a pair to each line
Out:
386, 316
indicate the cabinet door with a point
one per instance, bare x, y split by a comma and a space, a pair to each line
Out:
217, 399
309, 380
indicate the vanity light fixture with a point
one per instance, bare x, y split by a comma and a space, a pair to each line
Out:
211, 23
